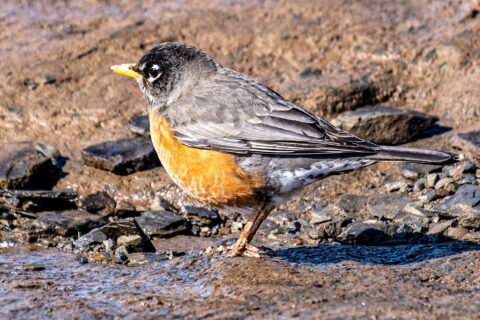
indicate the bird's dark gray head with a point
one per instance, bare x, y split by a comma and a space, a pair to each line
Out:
169, 70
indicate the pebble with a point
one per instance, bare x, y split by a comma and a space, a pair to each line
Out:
432, 179
420, 185
41, 200
364, 233
201, 216
100, 202
471, 220
386, 205
123, 156
468, 142
443, 183
67, 223
466, 199
384, 125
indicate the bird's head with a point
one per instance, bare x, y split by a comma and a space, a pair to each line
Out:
167, 71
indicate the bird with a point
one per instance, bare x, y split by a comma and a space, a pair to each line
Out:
233, 143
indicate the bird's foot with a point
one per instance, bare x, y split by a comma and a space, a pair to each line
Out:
249, 250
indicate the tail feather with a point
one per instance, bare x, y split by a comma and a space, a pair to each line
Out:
388, 153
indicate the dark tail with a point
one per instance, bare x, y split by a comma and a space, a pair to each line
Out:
388, 153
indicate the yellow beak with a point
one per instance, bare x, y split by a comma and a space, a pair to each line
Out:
126, 70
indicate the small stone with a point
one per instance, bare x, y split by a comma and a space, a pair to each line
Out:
471, 220
440, 228
319, 217
33, 267
465, 200
457, 233
443, 183
27, 165
427, 197
419, 185
201, 216
293, 227
67, 223
432, 179
237, 226
122, 156
467, 178
384, 125
364, 233
140, 125
414, 210
449, 171
161, 224
133, 243
138, 258
415, 170
99, 202
393, 186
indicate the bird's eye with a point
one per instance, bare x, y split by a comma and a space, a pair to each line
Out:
153, 73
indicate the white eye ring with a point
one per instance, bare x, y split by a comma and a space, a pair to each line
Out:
151, 78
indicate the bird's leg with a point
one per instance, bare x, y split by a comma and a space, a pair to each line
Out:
243, 246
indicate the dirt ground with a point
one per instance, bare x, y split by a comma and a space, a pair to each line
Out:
56, 88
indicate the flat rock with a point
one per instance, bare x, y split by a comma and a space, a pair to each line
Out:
471, 220
384, 125
468, 142
140, 125
387, 205
201, 216
161, 223
122, 156
465, 201
68, 223
100, 202
364, 233
28, 165
41, 200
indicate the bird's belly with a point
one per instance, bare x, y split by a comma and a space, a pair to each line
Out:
209, 176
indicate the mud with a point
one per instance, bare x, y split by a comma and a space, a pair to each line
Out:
328, 56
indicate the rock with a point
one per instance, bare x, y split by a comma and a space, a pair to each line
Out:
387, 205
471, 220
161, 223
140, 125
349, 205
330, 229
420, 185
122, 156
393, 186
416, 170
444, 183
468, 142
467, 178
293, 227
384, 125
28, 165
456, 233
124, 234
67, 223
40, 200
465, 200
138, 258
99, 202
201, 216
440, 228
319, 217
432, 179
364, 233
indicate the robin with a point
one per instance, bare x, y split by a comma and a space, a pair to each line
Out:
232, 142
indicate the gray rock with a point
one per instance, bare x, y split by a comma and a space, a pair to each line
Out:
293, 227
469, 143
67, 223
398, 185
467, 178
416, 170
364, 233
420, 185
122, 156
161, 223
465, 200
471, 220
443, 183
28, 165
99, 202
201, 216
330, 229
432, 179
140, 125
385, 125
387, 205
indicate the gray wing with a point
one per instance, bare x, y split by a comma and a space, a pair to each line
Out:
235, 114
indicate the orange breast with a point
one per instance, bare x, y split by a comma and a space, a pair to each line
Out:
210, 176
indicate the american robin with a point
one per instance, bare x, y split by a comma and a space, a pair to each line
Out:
232, 142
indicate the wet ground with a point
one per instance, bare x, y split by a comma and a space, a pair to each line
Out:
329, 281
328, 56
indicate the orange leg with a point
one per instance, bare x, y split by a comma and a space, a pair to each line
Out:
243, 246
